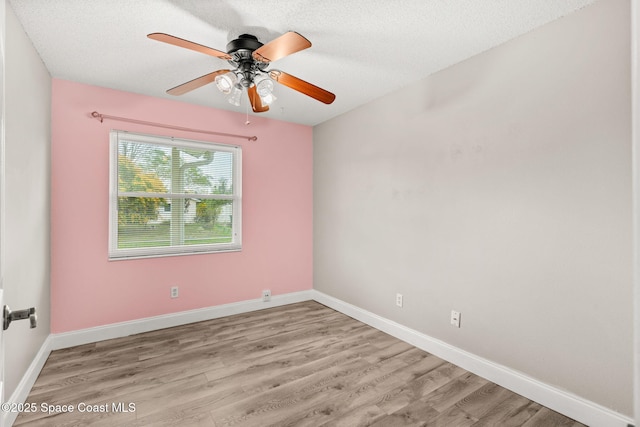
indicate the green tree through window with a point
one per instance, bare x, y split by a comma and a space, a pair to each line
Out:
131, 178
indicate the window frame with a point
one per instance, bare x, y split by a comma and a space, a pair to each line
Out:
115, 253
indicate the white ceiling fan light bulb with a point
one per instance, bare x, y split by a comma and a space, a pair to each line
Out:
226, 82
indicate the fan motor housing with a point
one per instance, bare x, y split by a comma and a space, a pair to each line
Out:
244, 41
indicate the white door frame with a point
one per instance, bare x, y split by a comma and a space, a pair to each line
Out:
635, 125
2, 192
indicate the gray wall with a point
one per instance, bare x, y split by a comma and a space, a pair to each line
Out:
27, 197
499, 187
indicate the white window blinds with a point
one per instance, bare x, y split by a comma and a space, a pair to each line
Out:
173, 197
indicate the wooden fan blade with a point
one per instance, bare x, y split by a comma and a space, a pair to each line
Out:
195, 83
256, 101
301, 86
284, 45
177, 41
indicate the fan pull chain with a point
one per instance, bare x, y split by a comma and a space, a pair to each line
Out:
247, 109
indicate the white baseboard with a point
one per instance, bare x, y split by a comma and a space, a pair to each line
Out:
566, 403
123, 329
21, 392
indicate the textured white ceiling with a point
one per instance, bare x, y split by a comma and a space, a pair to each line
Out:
362, 49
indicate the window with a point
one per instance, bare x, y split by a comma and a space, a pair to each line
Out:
173, 197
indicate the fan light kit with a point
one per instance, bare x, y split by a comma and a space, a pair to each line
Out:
250, 60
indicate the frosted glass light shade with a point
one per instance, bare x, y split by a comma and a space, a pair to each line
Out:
235, 96
264, 87
226, 82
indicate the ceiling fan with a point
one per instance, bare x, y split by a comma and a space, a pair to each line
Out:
250, 60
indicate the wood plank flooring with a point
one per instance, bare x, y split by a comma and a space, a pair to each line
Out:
298, 365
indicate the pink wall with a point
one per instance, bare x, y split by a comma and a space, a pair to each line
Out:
87, 290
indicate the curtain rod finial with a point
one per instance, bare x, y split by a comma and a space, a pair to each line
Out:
97, 115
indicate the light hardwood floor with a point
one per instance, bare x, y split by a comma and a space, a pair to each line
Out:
298, 365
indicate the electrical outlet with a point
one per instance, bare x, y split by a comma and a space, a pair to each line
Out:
266, 295
455, 318
399, 300
174, 292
